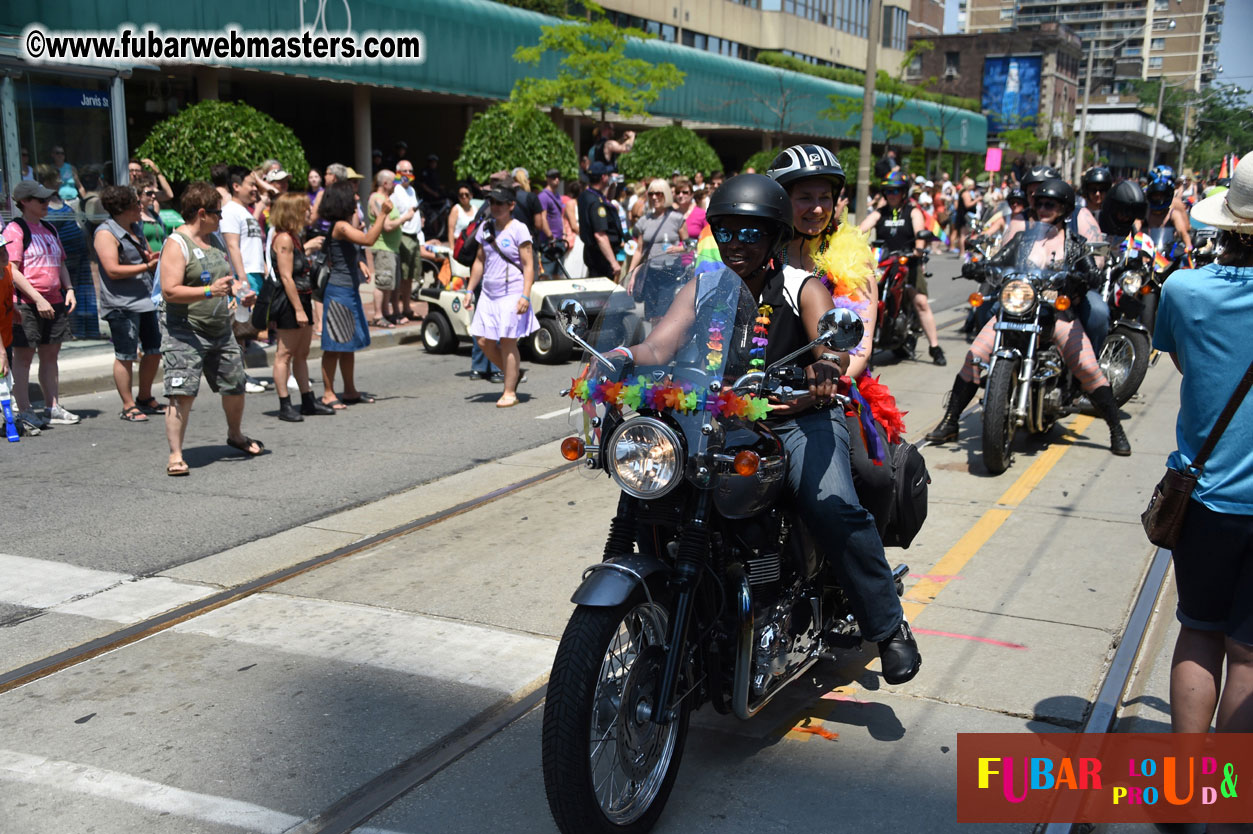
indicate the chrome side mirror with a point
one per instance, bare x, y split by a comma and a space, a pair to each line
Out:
573, 318
841, 328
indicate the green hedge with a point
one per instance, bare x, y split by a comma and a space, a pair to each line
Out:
209, 132
884, 83
509, 136
664, 150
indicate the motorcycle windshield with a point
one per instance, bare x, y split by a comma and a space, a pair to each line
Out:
690, 328
1040, 246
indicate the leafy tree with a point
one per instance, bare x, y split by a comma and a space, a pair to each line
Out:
844, 109
1173, 101
1222, 123
664, 150
209, 132
510, 136
595, 74
1024, 141
760, 161
848, 161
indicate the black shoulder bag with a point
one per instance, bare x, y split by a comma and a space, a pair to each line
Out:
1163, 518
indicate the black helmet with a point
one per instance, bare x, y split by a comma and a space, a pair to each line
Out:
1124, 204
801, 162
1016, 195
1160, 193
1099, 175
1062, 192
753, 195
1040, 173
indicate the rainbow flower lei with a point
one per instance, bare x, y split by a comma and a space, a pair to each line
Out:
657, 396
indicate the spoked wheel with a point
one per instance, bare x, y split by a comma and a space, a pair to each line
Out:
1125, 361
608, 765
998, 417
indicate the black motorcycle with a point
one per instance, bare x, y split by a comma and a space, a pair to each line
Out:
979, 249
711, 589
1027, 382
1126, 285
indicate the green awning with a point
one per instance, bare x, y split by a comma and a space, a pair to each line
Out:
470, 45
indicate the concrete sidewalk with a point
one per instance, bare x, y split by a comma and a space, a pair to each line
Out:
87, 366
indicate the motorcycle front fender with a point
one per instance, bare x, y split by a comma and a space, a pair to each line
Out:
612, 581
1129, 324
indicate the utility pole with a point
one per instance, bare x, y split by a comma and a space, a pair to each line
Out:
1157, 121
1083, 124
867, 109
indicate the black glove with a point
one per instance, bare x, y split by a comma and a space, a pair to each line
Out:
972, 271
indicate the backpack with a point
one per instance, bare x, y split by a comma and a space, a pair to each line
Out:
320, 268
466, 247
909, 495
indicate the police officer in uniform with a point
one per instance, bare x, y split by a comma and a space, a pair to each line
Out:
599, 226
898, 224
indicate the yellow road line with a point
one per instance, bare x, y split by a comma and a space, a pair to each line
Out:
1035, 473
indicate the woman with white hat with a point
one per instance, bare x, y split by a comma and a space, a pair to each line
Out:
1203, 322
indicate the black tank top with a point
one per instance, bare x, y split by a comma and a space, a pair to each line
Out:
896, 229
787, 331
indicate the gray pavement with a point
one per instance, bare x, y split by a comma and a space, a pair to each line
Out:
263, 713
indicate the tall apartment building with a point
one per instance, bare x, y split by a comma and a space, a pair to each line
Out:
926, 18
1133, 39
823, 32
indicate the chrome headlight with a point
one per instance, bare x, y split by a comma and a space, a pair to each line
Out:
646, 458
1018, 297
1131, 282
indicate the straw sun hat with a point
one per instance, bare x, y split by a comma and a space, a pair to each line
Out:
1233, 209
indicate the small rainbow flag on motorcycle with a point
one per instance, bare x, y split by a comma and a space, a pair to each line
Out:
707, 256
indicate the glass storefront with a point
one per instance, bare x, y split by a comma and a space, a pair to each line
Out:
64, 140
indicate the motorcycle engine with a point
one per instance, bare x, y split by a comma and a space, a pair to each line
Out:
785, 635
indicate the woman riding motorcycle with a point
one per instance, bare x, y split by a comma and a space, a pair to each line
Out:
751, 219
1054, 200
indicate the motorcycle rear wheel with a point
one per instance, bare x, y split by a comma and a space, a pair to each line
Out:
607, 766
1125, 360
998, 420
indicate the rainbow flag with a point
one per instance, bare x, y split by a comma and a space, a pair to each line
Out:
933, 226
708, 258
1222, 171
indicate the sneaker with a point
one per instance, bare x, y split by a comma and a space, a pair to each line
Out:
265, 384
27, 423
254, 387
60, 417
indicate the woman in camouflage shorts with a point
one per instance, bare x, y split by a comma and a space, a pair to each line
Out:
196, 334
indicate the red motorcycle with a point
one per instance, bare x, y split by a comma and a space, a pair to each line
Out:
898, 327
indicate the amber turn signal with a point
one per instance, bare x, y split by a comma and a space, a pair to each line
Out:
572, 448
902, 260
1062, 303
1146, 289
976, 298
746, 463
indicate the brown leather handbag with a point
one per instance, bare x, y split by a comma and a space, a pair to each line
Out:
1163, 518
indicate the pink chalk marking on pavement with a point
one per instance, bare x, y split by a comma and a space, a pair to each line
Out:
987, 640
935, 577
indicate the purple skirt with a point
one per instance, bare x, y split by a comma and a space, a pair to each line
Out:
497, 318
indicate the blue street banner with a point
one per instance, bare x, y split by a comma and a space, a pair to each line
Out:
1011, 92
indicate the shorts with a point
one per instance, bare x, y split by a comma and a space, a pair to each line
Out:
409, 266
255, 280
131, 330
187, 354
385, 266
1214, 572
283, 317
33, 329
918, 277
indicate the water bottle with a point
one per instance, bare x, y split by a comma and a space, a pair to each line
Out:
242, 313
6, 404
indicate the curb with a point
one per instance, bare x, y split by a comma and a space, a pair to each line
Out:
97, 374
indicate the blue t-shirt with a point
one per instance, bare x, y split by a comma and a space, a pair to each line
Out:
1205, 318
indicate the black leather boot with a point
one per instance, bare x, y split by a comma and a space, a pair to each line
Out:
1103, 400
310, 405
899, 656
288, 412
963, 393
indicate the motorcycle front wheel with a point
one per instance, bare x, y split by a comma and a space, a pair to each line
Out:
1125, 360
608, 766
998, 417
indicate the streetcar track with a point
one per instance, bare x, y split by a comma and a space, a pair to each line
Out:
153, 625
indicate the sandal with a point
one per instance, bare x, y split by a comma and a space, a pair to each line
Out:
246, 446
151, 406
402, 320
504, 402
133, 415
177, 468
383, 323
336, 404
362, 397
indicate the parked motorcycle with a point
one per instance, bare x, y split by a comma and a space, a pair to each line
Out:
711, 589
1027, 382
898, 326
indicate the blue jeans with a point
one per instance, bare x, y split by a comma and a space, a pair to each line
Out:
820, 476
1094, 313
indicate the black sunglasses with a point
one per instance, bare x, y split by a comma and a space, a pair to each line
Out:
217, 212
496, 202
888, 192
1046, 203
749, 236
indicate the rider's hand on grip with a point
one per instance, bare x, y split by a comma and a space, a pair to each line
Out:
621, 364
